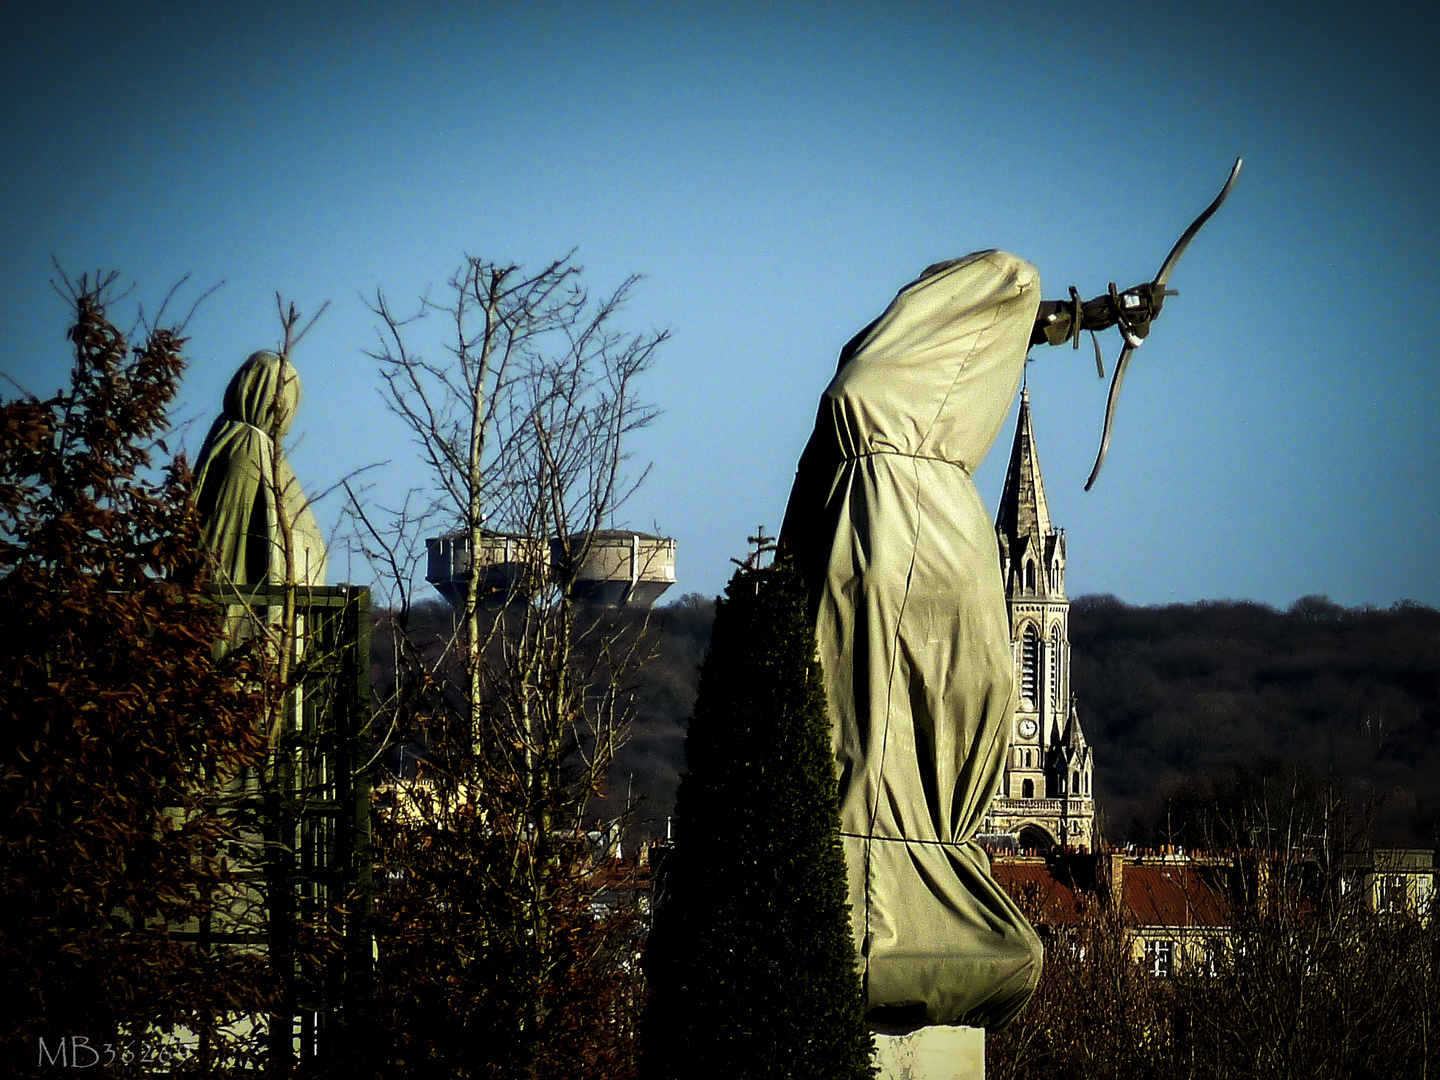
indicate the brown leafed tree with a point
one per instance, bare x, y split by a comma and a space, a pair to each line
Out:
119, 722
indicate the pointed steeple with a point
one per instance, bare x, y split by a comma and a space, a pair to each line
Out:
1045, 790
1032, 552
1023, 510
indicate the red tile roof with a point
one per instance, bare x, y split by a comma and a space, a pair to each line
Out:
1176, 894
1044, 898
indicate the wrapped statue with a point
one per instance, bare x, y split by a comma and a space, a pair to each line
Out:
898, 553
245, 489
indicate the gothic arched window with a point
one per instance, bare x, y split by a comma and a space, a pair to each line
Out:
1055, 652
1029, 666
1029, 576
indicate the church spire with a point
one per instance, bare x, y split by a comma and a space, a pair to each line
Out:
1031, 551
1044, 796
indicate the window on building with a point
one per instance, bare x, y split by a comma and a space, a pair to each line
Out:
1055, 652
1160, 958
1027, 789
1029, 576
1390, 895
1075, 784
1029, 667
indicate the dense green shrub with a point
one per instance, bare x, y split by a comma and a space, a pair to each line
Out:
751, 965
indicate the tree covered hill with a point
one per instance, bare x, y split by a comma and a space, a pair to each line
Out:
1175, 699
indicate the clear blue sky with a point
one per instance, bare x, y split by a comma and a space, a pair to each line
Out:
778, 171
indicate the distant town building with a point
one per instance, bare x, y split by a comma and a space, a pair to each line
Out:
1179, 910
1175, 909
1045, 797
1392, 880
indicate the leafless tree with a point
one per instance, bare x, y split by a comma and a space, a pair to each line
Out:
521, 422
1304, 968
522, 426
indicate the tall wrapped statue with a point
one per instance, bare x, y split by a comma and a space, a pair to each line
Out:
899, 555
245, 489
900, 561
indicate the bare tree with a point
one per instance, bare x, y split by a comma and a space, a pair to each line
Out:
1302, 967
522, 423
523, 428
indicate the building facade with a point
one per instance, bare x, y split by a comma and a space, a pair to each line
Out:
1181, 910
1046, 796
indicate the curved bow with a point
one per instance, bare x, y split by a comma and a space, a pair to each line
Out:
1158, 291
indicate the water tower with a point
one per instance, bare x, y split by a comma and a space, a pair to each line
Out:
618, 566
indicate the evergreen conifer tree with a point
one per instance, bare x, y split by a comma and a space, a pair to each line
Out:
751, 965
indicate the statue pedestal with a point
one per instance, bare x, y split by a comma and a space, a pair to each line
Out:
936, 1052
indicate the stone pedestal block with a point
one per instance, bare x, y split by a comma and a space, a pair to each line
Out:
938, 1052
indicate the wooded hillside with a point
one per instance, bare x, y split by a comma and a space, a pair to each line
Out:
1174, 699
1183, 695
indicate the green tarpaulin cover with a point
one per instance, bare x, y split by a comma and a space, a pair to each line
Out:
900, 556
243, 483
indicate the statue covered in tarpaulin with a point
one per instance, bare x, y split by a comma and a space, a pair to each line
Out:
899, 554
904, 581
246, 491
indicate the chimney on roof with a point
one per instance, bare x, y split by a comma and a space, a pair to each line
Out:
1115, 878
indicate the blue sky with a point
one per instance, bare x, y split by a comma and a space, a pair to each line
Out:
777, 172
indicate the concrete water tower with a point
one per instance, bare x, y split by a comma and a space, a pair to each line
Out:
619, 566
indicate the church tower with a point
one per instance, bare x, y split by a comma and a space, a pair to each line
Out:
1045, 795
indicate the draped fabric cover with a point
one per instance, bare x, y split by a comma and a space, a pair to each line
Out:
240, 472
900, 557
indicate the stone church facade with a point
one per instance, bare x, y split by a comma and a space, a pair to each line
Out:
1045, 797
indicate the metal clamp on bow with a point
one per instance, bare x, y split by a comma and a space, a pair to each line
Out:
1132, 311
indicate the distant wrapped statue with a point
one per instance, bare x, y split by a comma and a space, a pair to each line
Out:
245, 489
